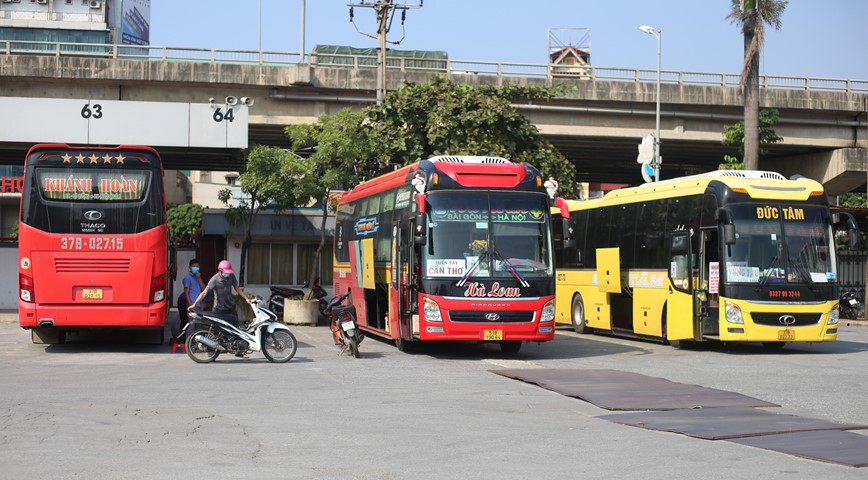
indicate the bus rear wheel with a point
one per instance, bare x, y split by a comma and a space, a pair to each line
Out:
578, 315
510, 347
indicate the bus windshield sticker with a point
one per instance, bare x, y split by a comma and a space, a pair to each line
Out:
402, 200
713, 277
367, 225
89, 186
771, 213
445, 267
743, 274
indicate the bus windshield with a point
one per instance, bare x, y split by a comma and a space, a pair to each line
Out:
781, 244
489, 234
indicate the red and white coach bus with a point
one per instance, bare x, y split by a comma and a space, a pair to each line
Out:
92, 241
450, 248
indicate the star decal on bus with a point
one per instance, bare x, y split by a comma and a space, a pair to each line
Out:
120, 159
93, 158
106, 158
66, 158
79, 158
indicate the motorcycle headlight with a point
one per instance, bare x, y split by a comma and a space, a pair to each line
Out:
733, 313
548, 312
432, 311
834, 315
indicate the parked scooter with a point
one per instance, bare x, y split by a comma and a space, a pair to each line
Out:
850, 306
209, 334
342, 319
279, 294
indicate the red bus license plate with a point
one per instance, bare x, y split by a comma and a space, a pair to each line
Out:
492, 334
91, 293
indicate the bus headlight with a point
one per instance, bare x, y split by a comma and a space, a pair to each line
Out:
431, 311
548, 312
733, 313
834, 315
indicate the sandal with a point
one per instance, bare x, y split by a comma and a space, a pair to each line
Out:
242, 355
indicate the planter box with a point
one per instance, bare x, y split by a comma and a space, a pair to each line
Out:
300, 312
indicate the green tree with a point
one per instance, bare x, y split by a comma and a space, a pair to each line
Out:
185, 224
852, 200
343, 157
733, 135
439, 118
272, 178
752, 16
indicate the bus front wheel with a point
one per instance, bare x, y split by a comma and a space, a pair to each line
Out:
510, 347
578, 315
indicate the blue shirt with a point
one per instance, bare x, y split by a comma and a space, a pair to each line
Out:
191, 282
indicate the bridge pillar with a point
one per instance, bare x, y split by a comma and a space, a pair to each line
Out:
840, 171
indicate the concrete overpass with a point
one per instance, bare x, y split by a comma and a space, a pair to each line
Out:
597, 124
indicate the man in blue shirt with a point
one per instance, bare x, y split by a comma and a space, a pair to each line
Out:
193, 286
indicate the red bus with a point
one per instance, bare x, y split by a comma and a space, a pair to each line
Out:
92, 241
450, 248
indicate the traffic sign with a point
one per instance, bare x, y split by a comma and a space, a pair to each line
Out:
646, 150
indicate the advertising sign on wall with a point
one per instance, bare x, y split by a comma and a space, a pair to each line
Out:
136, 22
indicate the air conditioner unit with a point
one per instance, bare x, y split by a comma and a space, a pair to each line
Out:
95, 4
43, 2
7, 1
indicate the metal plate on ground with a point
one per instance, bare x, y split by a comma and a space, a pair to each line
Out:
725, 423
616, 390
832, 446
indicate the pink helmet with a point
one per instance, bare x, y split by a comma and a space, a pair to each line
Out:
225, 266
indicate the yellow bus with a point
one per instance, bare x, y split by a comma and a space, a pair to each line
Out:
743, 256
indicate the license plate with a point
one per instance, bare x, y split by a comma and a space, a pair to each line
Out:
91, 293
347, 326
787, 335
492, 334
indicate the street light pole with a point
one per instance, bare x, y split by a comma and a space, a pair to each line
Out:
656, 163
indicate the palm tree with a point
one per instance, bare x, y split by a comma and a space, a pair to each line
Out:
751, 15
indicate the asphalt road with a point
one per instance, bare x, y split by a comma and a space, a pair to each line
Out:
116, 410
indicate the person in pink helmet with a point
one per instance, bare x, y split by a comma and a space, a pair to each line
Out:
221, 284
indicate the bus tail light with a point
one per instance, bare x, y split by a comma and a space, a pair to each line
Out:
834, 315
733, 313
432, 311
548, 312
158, 288
25, 287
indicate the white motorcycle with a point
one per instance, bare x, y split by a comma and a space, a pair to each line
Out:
212, 335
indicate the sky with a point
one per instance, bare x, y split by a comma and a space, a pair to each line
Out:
818, 39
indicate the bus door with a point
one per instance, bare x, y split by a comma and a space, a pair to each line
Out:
679, 304
400, 304
707, 297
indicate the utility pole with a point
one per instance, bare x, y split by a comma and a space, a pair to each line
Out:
385, 12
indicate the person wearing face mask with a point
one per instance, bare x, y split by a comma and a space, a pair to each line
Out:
222, 284
193, 286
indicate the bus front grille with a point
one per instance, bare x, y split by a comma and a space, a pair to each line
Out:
785, 319
483, 316
92, 265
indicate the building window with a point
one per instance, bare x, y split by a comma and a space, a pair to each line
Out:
285, 264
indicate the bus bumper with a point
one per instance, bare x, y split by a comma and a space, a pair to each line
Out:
151, 315
481, 329
763, 323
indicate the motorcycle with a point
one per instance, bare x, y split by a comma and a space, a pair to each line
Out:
850, 307
279, 294
342, 319
212, 335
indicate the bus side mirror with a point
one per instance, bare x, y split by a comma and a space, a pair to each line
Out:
729, 234
420, 234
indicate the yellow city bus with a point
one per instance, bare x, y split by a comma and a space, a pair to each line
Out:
729, 256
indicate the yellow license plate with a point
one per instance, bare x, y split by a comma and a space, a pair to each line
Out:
91, 293
787, 335
492, 334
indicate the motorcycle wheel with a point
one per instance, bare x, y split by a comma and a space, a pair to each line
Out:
199, 352
279, 346
354, 347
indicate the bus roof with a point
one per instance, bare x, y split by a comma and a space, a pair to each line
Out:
755, 184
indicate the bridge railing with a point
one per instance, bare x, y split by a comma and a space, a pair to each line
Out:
457, 67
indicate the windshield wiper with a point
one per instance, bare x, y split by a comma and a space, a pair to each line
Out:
471, 270
803, 271
512, 268
767, 272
